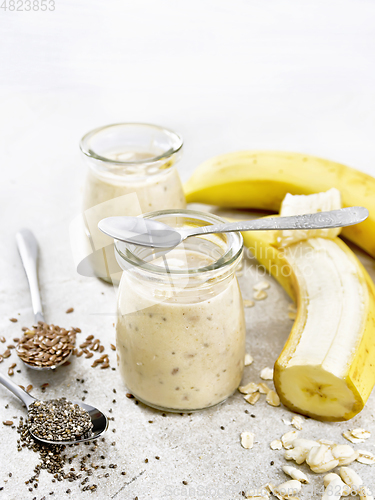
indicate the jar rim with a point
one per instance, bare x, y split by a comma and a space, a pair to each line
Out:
233, 251
176, 144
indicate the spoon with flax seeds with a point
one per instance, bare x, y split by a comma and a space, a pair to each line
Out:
43, 347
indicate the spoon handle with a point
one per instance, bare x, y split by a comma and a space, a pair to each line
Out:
28, 249
321, 220
17, 391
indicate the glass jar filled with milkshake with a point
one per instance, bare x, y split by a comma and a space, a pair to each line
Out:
180, 326
132, 170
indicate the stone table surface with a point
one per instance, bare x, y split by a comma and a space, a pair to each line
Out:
202, 449
284, 75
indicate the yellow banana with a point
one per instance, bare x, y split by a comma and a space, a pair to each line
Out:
261, 179
327, 367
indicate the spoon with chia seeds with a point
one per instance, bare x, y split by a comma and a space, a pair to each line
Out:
59, 421
44, 347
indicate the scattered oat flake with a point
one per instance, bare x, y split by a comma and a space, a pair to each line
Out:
328, 478
297, 422
348, 435
361, 433
266, 373
286, 421
260, 295
350, 477
276, 444
248, 359
335, 487
298, 454
252, 398
248, 303
272, 490
344, 453
295, 473
263, 388
288, 488
249, 388
325, 467
288, 438
262, 285
273, 399
366, 457
247, 440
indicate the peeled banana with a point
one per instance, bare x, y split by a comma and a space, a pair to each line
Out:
302, 204
261, 179
327, 367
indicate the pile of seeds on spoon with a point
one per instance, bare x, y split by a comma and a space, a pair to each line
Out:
91, 467
46, 345
59, 420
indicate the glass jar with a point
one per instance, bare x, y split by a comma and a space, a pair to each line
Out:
180, 325
131, 171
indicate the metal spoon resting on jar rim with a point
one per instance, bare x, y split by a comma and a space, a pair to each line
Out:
28, 250
98, 420
150, 233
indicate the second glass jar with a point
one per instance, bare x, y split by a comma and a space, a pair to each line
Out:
132, 170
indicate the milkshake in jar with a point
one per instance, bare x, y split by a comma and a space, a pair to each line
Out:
180, 326
132, 170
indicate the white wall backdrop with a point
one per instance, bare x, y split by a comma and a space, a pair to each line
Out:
227, 74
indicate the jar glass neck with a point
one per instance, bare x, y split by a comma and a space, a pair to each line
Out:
194, 262
131, 149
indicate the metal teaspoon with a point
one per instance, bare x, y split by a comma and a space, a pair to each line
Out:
28, 250
151, 233
98, 419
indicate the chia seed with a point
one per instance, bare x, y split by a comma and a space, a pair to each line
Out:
59, 420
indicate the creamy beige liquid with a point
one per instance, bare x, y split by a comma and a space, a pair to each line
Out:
183, 353
158, 191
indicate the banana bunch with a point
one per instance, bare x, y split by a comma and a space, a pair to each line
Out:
327, 367
261, 179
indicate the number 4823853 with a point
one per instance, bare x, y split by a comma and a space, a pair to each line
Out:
27, 5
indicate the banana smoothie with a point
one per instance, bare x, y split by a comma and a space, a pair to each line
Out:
181, 347
131, 171
155, 192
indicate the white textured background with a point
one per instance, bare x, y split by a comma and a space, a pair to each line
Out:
235, 74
